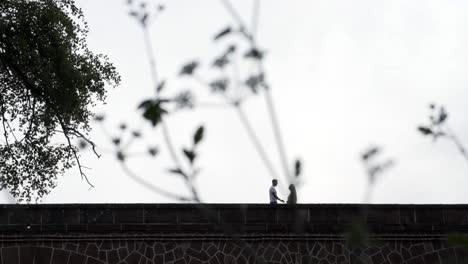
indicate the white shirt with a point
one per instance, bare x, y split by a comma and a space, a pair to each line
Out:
272, 194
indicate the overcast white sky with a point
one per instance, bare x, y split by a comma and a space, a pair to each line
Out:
344, 75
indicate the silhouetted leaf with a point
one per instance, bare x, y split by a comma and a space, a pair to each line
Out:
136, 134
82, 144
223, 33
99, 118
184, 99
221, 62
144, 19
254, 54
123, 126
219, 85
198, 136
254, 81
189, 68
116, 141
297, 168
231, 49
161, 86
443, 115
120, 156
190, 155
153, 151
152, 111
371, 152
425, 130
133, 13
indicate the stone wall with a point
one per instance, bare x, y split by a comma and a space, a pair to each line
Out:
227, 233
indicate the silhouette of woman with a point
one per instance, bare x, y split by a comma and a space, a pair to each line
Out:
292, 198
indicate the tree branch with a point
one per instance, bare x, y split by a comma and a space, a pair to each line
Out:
150, 186
165, 129
15, 69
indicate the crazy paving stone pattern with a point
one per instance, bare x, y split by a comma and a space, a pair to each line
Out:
196, 252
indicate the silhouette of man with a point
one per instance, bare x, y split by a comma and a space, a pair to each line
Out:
273, 197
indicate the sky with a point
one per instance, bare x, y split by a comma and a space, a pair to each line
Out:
344, 75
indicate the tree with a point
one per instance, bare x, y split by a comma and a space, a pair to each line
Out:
49, 80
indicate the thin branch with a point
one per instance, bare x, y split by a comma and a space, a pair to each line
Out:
165, 129
235, 15
255, 17
81, 136
277, 133
457, 142
75, 153
5, 134
268, 97
11, 130
151, 58
31, 121
178, 163
257, 144
150, 186
249, 128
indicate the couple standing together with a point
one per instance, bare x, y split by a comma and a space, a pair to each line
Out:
292, 198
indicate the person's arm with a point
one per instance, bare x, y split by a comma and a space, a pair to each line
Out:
276, 197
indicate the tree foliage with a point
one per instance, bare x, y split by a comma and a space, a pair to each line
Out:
49, 80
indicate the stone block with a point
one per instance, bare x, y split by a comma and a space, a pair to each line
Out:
123, 216
160, 215
267, 215
429, 215
96, 215
43, 255
25, 216
384, 216
458, 216
233, 215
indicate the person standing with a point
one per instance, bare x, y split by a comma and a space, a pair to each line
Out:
273, 196
292, 198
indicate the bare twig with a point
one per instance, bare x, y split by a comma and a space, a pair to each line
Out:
152, 187
257, 144
81, 136
267, 91
255, 17
165, 129
277, 133
457, 142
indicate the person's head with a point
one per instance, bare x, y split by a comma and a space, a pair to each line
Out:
274, 182
292, 188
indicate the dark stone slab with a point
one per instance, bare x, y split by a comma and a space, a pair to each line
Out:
21, 215
43, 255
156, 215
102, 216
26, 255
124, 216
77, 259
60, 256
267, 215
